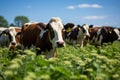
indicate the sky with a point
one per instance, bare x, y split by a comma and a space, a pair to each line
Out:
95, 12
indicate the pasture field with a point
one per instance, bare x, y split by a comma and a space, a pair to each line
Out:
88, 63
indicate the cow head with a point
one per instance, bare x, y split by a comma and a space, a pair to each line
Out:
117, 31
12, 33
85, 29
68, 27
54, 30
8, 35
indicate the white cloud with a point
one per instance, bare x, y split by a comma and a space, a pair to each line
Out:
96, 6
94, 17
84, 6
89, 6
71, 7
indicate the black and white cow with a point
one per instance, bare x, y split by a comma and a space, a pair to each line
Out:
78, 34
8, 37
104, 34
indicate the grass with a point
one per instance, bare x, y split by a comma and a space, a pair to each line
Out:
87, 63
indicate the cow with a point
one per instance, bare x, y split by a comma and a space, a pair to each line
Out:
93, 34
8, 37
30, 32
104, 34
50, 38
78, 34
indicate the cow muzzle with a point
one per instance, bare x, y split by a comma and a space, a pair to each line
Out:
13, 46
86, 36
60, 44
13, 43
118, 39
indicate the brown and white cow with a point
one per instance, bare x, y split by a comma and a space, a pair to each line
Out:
30, 32
45, 37
15, 33
104, 34
50, 38
8, 37
78, 34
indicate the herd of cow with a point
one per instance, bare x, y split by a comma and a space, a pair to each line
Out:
47, 37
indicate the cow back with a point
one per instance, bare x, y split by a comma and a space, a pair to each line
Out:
30, 32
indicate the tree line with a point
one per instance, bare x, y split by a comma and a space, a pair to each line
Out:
18, 21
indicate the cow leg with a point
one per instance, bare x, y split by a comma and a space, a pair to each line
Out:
85, 42
100, 40
55, 53
22, 48
81, 43
74, 43
51, 54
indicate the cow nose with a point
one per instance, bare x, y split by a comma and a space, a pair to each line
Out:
87, 36
118, 39
60, 44
13, 43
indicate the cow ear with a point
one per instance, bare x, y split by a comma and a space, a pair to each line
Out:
119, 29
42, 25
111, 30
48, 27
79, 27
91, 26
6, 31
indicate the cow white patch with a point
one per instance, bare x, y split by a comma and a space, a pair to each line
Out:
42, 33
98, 33
28, 24
74, 27
118, 33
86, 27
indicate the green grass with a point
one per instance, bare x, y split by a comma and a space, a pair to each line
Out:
87, 63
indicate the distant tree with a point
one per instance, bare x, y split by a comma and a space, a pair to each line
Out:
12, 24
3, 22
20, 20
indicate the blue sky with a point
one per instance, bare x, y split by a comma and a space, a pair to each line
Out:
96, 12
